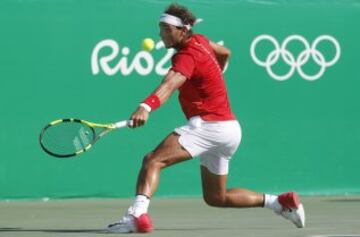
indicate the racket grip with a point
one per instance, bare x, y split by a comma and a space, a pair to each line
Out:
124, 123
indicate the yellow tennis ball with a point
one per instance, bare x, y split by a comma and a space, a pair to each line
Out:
148, 44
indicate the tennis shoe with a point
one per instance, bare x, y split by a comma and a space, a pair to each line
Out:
292, 209
132, 224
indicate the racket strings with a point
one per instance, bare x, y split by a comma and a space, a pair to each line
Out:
67, 138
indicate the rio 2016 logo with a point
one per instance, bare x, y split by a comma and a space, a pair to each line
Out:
143, 62
124, 67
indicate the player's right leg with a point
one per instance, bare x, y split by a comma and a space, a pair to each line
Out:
136, 219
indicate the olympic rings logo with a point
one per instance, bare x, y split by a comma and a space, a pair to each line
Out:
288, 57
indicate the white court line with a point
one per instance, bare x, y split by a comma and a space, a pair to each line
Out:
332, 235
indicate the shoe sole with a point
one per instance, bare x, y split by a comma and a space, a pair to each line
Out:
301, 212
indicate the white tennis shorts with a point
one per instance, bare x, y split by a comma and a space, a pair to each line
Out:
213, 142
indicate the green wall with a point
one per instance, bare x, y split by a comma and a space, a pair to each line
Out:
298, 134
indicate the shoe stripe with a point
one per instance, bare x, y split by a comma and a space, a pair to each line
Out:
289, 200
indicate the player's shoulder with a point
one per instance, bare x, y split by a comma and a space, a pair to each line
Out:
200, 37
191, 49
183, 53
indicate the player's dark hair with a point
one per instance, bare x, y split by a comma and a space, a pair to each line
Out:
182, 12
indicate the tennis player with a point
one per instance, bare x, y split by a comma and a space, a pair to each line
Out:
212, 133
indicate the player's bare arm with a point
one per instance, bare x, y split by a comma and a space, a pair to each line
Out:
222, 54
171, 82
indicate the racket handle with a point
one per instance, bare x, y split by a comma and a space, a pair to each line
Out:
123, 123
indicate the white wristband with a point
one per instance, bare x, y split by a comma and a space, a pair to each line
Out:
146, 107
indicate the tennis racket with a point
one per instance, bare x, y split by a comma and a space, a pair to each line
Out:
64, 138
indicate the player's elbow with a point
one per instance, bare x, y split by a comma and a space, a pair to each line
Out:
224, 55
227, 53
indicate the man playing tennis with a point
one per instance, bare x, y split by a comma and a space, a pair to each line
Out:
212, 133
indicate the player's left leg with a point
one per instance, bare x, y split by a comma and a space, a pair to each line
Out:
216, 194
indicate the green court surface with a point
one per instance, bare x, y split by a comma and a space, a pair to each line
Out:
326, 216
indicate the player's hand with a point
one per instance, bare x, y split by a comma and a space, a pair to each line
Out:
139, 117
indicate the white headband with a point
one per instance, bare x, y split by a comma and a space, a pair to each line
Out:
173, 20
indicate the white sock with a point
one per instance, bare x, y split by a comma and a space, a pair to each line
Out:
271, 202
141, 205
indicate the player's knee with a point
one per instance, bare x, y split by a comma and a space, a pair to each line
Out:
151, 160
215, 200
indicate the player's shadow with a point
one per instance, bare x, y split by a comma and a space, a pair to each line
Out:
71, 231
101, 231
350, 199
